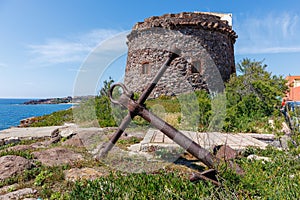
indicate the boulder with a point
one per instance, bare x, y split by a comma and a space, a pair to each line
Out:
225, 152
18, 194
12, 140
27, 122
285, 140
57, 156
256, 157
13, 165
20, 148
74, 141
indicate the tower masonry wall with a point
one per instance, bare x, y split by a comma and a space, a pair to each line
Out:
206, 59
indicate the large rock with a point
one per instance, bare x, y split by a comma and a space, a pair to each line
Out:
226, 153
12, 140
20, 148
57, 156
18, 194
256, 157
13, 165
27, 122
74, 141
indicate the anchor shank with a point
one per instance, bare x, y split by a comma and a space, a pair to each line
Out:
185, 142
125, 122
154, 81
109, 145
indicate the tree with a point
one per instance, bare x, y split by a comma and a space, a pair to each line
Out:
252, 95
107, 113
106, 86
103, 105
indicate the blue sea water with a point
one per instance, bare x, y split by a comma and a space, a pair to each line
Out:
13, 110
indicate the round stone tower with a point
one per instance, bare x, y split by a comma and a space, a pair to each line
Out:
207, 54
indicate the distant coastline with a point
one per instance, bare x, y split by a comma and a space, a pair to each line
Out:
49, 101
63, 100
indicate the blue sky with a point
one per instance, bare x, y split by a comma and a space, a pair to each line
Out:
45, 43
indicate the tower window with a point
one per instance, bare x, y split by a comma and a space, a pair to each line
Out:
145, 68
194, 69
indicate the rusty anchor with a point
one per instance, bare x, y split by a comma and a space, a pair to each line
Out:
137, 108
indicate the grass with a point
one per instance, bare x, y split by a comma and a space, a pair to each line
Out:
140, 186
277, 179
169, 104
124, 143
24, 154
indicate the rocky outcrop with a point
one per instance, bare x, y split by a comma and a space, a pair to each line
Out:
18, 194
13, 165
27, 122
74, 142
57, 156
92, 139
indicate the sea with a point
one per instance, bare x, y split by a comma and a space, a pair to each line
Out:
14, 110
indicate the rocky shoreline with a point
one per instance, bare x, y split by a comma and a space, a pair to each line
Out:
61, 100
50, 101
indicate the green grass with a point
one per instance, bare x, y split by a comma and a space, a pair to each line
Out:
169, 104
141, 186
124, 143
24, 154
278, 179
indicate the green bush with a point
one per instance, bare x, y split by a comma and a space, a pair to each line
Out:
104, 112
54, 119
252, 97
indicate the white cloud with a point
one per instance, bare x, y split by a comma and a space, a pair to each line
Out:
252, 50
271, 33
72, 49
77, 70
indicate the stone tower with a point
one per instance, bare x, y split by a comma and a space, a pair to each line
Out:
207, 54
